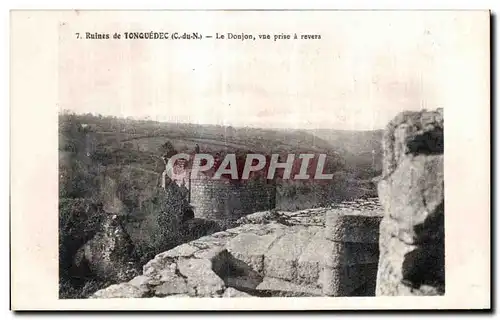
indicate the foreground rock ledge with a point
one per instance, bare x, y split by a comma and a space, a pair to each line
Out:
288, 254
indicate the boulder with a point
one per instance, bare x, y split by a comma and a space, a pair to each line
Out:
201, 277
412, 194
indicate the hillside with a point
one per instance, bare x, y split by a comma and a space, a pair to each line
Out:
122, 148
128, 152
362, 150
147, 136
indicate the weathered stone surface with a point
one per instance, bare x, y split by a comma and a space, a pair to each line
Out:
404, 267
221, 235
389, 283
184, 250
270, 259
234, 272
344, 280
412, 193
283, 286
312, 259
260, 229
350, 253
141, 282
217, 199
122, 290
209, 253
182, 295
414, 196
167, 273
259, 217
200, 276
158, 263
412, 133
281, 259
352, 226
233, 293
250, 248
243, 282
171, 286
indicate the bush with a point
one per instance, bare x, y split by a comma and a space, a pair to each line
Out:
79, 221
159, 227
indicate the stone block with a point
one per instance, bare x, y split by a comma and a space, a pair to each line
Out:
312, 258
350, 253
278, 286
344, 280
250, 248
281, 259
352, 226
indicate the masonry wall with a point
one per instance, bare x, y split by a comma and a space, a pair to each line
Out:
225, 199
350, 266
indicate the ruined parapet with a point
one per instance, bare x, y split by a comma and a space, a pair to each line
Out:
225, 199
278, 254
219, 198
412, 194
350, 265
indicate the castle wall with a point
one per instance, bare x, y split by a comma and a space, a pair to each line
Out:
351, 261
225, 199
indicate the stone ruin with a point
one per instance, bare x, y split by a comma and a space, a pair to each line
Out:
356, 248
219, 199
412, 193
350, 267
315, 252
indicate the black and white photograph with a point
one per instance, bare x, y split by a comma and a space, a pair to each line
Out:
235, 155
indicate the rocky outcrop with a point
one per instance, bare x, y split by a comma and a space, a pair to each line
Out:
109, 254
412, 194
272, 254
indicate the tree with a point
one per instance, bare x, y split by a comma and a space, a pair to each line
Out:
168, 149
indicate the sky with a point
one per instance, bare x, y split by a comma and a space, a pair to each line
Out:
367, 67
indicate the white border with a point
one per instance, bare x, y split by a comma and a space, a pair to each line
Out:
148, 4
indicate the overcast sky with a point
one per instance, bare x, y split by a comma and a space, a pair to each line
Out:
367, 67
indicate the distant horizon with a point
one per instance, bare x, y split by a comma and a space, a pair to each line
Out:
147, 118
